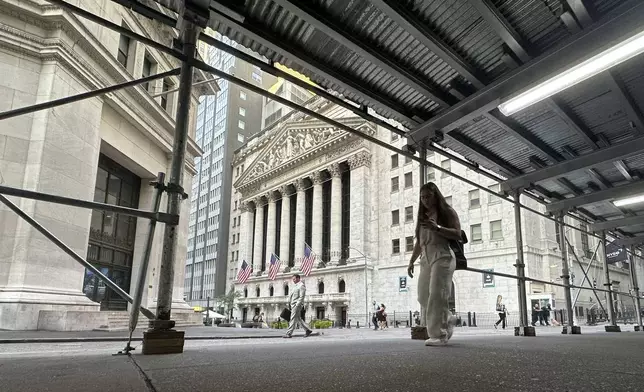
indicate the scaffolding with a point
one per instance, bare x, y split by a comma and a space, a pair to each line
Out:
192, 19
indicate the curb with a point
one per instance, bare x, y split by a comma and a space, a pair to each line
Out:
125, 339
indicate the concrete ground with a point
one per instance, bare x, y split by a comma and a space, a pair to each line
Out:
340, 360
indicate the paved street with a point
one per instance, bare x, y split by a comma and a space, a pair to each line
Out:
340, 360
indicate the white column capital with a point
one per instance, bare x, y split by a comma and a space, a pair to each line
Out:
300, 185
271, 197
245, 206
284, 190
361, 158
316, 177
334, 170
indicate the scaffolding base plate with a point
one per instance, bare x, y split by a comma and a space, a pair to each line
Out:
575, 330
612, 328
525, 331
637, 328
419, 333
163, 342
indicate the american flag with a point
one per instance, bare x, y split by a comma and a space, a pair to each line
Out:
274, 268
244, 272
308, 261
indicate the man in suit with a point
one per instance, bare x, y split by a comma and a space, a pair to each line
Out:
295, 303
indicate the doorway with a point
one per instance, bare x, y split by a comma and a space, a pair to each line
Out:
319, 312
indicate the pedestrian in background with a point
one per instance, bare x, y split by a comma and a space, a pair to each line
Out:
295, 303
500, 308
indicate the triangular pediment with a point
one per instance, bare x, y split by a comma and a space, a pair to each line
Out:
295, 142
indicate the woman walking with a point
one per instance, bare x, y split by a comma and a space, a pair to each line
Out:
437, 224
500, 308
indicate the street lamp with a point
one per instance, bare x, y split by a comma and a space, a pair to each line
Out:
366, 287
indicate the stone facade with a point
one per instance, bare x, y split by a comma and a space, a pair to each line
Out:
48, 53
277, 161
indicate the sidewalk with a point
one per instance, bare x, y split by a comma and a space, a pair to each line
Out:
216, 333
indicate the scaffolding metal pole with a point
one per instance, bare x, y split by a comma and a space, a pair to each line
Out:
159, 185
86, 95
608, 284
636, 289
520, 265
565, 273
50, 236
155, 216
585, 272
175, 181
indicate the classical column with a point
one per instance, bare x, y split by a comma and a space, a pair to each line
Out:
270, 227
247, 232
285, 232
336, 212
300, 220
316, 224
258, 243
360, 164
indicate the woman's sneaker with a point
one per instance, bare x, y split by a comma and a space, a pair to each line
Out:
435, 342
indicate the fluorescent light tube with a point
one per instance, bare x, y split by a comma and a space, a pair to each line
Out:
629, 201
619, 53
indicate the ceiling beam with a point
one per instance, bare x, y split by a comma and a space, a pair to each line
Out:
504, 168
277, 45
594, 197
503, 29
623, 169
404, 17
598, 37
358, 45
615, 223
609, 154
525, 136
573, 122
629, 241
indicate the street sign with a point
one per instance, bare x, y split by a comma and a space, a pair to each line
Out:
402, 283
615, 253
488, 279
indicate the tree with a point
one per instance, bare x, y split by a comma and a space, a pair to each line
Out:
227, 301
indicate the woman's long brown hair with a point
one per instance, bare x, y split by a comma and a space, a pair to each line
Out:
442, 208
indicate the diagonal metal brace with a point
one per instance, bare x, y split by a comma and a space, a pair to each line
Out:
72, 253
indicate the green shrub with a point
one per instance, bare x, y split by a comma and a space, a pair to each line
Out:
321, 324
280, 325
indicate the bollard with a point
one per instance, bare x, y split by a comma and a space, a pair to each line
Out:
469, 319
411, 322
474, 319
357, 324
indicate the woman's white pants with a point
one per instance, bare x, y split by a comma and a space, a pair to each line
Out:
434, 288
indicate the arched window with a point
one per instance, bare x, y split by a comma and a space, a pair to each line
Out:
271, 291
245, 292
257, 291
285, 289
341, 286
321, 288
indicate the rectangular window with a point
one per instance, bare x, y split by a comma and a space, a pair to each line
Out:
124, 50
256, 77
148, 68
409, 244
395, 246
394, 137
394, 184
447, 165
242, 112
164, 97
407, 159
496, 231
242, 95
475, 233
494, 188
394, 161
430, 176
585, 247
395, 217
475, 200
240, 138
409, 214
241, 124
409, 180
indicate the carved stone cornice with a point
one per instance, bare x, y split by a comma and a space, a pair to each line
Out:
362, 158
294, 144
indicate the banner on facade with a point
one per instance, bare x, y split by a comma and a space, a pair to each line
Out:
488, 279
615, 253
402, 283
